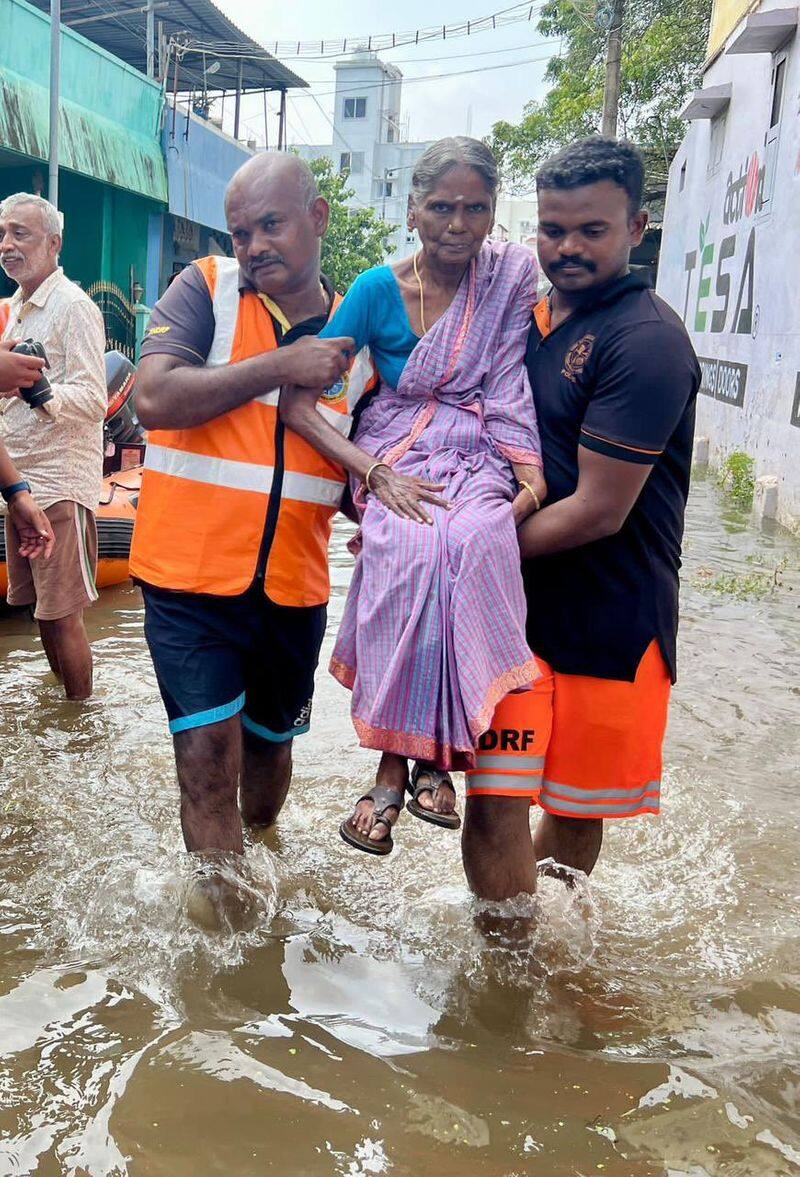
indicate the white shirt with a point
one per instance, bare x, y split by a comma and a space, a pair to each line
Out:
59, 449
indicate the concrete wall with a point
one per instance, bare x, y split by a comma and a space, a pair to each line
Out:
109, 118
200, 164
729, 265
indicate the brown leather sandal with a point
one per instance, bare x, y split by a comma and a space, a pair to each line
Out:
428, 780
383, 798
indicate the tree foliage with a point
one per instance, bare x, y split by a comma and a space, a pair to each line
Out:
663, 48
357, 238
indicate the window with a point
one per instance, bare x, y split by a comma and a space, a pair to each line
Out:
682, 179
352, 162
355, 108
384, 188
716, 142
772, 135
778, 80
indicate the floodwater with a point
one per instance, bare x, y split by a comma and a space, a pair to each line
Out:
651, 1027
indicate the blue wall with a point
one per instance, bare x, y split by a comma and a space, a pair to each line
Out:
199, 168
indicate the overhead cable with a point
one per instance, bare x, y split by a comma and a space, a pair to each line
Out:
382, 42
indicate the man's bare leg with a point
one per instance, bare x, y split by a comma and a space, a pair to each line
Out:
209, 760
572, 841
266, 776
69, 653
497, 848
48, 642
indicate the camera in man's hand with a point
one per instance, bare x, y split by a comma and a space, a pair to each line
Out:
39, 393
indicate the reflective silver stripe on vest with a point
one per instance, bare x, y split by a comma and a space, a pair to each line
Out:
501, 780
361, 374
508, 763
307, 488
226, 311
304, 488
616, 802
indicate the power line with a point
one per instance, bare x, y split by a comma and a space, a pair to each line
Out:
382, 42
116, 17
458, 56
361, 89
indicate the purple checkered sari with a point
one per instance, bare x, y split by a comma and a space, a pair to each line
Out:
433, 632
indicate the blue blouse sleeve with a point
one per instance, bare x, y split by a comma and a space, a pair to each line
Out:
353, 316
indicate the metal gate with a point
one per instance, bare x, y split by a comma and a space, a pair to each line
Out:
118, 316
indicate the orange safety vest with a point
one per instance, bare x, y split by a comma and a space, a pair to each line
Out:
242, 495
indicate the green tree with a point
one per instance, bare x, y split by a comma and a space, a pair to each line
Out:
357, 238
663, 48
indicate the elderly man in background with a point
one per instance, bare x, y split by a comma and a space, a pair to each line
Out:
58, 448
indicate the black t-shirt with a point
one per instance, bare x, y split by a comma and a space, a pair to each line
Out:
620, 377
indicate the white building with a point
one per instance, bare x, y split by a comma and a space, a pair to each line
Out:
369, 141
730, 253
516, 219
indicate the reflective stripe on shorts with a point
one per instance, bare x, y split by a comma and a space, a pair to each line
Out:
572, 802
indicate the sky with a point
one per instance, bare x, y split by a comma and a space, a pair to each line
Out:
507, 64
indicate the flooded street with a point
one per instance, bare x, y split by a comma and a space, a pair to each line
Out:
652, 1028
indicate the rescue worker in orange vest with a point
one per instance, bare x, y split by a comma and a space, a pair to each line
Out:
233, 522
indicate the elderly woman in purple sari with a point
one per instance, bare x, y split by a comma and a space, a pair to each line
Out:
445, 463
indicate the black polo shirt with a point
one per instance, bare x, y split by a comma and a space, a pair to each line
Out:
620, 377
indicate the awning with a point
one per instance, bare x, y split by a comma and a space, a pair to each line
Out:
708, 103
88, 143
764, 32
119, 26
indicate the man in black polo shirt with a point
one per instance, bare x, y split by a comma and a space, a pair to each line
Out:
614, 378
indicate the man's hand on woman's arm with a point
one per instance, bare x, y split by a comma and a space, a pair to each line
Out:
173, 393
604, 497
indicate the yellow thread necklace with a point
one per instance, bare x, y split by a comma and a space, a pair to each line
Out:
421, 295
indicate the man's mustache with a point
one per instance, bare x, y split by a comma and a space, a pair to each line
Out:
266, 261
574, 261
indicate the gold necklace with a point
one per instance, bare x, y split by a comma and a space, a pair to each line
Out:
421, 296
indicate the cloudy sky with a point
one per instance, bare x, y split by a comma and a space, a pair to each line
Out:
506, 65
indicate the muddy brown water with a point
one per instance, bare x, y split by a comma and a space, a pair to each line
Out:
652, 1026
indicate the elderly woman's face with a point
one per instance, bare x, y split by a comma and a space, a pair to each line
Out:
454, 219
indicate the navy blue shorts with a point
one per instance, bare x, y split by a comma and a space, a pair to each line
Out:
217, 656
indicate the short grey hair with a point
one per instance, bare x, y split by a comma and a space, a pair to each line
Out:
449, 153
52, 219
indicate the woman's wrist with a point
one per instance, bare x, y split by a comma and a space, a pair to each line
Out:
375, 468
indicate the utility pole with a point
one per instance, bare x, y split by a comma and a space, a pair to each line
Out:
151, 38
55, 88
613, 61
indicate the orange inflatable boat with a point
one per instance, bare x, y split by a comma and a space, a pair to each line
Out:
122, 468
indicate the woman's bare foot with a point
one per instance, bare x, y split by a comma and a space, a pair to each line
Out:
392, 774
440, 796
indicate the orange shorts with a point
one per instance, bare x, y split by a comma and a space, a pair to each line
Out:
579, 746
